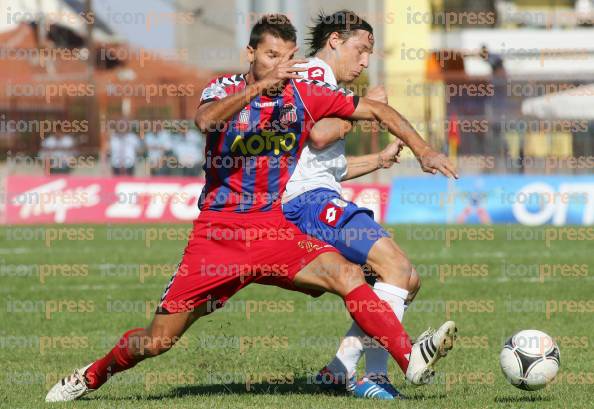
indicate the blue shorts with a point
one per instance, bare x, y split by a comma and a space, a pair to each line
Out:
323, 214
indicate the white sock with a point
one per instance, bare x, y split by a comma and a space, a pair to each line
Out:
349, 352
376, 357
395, 296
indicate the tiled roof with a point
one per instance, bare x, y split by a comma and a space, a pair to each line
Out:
20, 63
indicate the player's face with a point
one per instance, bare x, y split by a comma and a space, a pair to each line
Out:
353, 55
267, 54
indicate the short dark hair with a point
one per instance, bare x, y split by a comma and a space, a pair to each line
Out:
343, 22
277, 25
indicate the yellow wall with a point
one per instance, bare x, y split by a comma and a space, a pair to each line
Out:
407, 40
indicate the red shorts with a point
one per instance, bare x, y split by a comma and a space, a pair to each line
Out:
228, 251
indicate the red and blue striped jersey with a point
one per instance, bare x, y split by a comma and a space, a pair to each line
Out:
250, 159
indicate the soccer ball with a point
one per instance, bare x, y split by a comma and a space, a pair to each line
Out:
530, 359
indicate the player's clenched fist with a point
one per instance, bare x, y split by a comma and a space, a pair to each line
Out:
390, 154
433, 162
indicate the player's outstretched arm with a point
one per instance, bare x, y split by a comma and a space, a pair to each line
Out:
431, 161
364, 164
328, 130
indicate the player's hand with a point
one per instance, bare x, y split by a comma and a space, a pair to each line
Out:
433, 162
286, 69
377, 94
391, 154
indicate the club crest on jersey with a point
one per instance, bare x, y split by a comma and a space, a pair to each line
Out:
244, 116
288, 114
331, 214
316, 73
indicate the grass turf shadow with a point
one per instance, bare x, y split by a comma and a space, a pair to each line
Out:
299, 386
523, 398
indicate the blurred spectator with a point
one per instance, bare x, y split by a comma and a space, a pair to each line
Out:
57, 150
189, 151
124, 149
497, 108
159, 147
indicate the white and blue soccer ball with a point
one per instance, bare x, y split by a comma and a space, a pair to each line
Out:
530, 359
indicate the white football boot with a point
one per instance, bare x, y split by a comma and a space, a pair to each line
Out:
428, 348
70, 388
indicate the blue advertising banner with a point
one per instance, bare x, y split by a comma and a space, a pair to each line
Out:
529, 200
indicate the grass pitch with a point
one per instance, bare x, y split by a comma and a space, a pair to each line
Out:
68, 295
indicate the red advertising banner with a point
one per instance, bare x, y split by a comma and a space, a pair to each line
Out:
73, 199
372, 196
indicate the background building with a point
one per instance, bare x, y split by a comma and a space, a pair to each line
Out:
218, 39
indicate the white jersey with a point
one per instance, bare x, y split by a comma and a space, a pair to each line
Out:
318, 168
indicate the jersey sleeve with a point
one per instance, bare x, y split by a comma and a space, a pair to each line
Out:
214, 91
323, 100
303, 74
342, 169
316, 72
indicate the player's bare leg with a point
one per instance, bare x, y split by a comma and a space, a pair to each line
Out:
399, 284
390, 263
395, 275
332, 272
134, 346
414, 285
342, 277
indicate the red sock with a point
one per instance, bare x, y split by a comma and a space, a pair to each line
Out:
377, 319
117, 360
